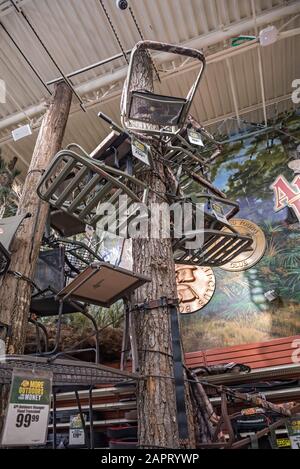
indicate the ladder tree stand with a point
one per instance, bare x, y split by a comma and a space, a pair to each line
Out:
156, 393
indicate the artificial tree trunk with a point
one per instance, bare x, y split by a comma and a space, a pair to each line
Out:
156, 400
15, 292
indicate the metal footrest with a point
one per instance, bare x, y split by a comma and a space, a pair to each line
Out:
65, 372
218, 248
77, 184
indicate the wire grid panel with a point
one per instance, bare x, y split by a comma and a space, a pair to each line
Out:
65, 372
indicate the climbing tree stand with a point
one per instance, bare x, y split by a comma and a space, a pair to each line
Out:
15, 290
157, 413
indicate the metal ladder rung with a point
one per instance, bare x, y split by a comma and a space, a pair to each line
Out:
218, 248
58, 179
106, 188
236, 252
71, 186
80, 197
97, 217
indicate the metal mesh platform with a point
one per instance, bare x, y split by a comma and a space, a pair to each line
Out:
65, 372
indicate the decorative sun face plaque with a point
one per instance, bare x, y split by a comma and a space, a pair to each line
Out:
195, 287
247, 259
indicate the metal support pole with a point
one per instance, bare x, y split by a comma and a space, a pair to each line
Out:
82, 419
58, 330
94, 322
133, 342
91, 418
124, 350
54, 418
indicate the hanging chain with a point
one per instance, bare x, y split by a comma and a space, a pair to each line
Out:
113, 30
142, 38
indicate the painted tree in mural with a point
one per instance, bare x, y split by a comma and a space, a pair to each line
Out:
239, 312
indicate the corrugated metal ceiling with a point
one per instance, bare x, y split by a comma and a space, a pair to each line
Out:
77, 34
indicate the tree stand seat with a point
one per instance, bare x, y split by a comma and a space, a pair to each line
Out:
65, 224
164, 115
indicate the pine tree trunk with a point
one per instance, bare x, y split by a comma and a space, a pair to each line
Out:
15, 293
154, 257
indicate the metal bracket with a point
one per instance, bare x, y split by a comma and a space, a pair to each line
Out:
161, 302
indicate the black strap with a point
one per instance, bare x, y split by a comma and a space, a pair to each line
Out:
178, 368
182, 421
254, 442
155, 304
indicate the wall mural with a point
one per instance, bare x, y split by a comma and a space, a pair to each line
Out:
261, 303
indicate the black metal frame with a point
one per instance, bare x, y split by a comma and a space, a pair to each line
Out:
78, 307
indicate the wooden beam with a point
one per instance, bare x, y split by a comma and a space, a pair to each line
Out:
15, 292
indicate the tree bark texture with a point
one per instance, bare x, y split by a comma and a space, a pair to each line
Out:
156, 399
15, 293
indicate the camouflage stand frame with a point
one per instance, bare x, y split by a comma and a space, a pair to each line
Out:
164, 115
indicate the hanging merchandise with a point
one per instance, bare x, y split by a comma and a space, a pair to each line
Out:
195, 137
76, 184
212, 240
26, 422
76, 430
141, 151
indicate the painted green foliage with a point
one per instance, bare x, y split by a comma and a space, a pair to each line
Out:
239, 312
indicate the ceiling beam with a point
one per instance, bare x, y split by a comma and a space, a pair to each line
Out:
247, 110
